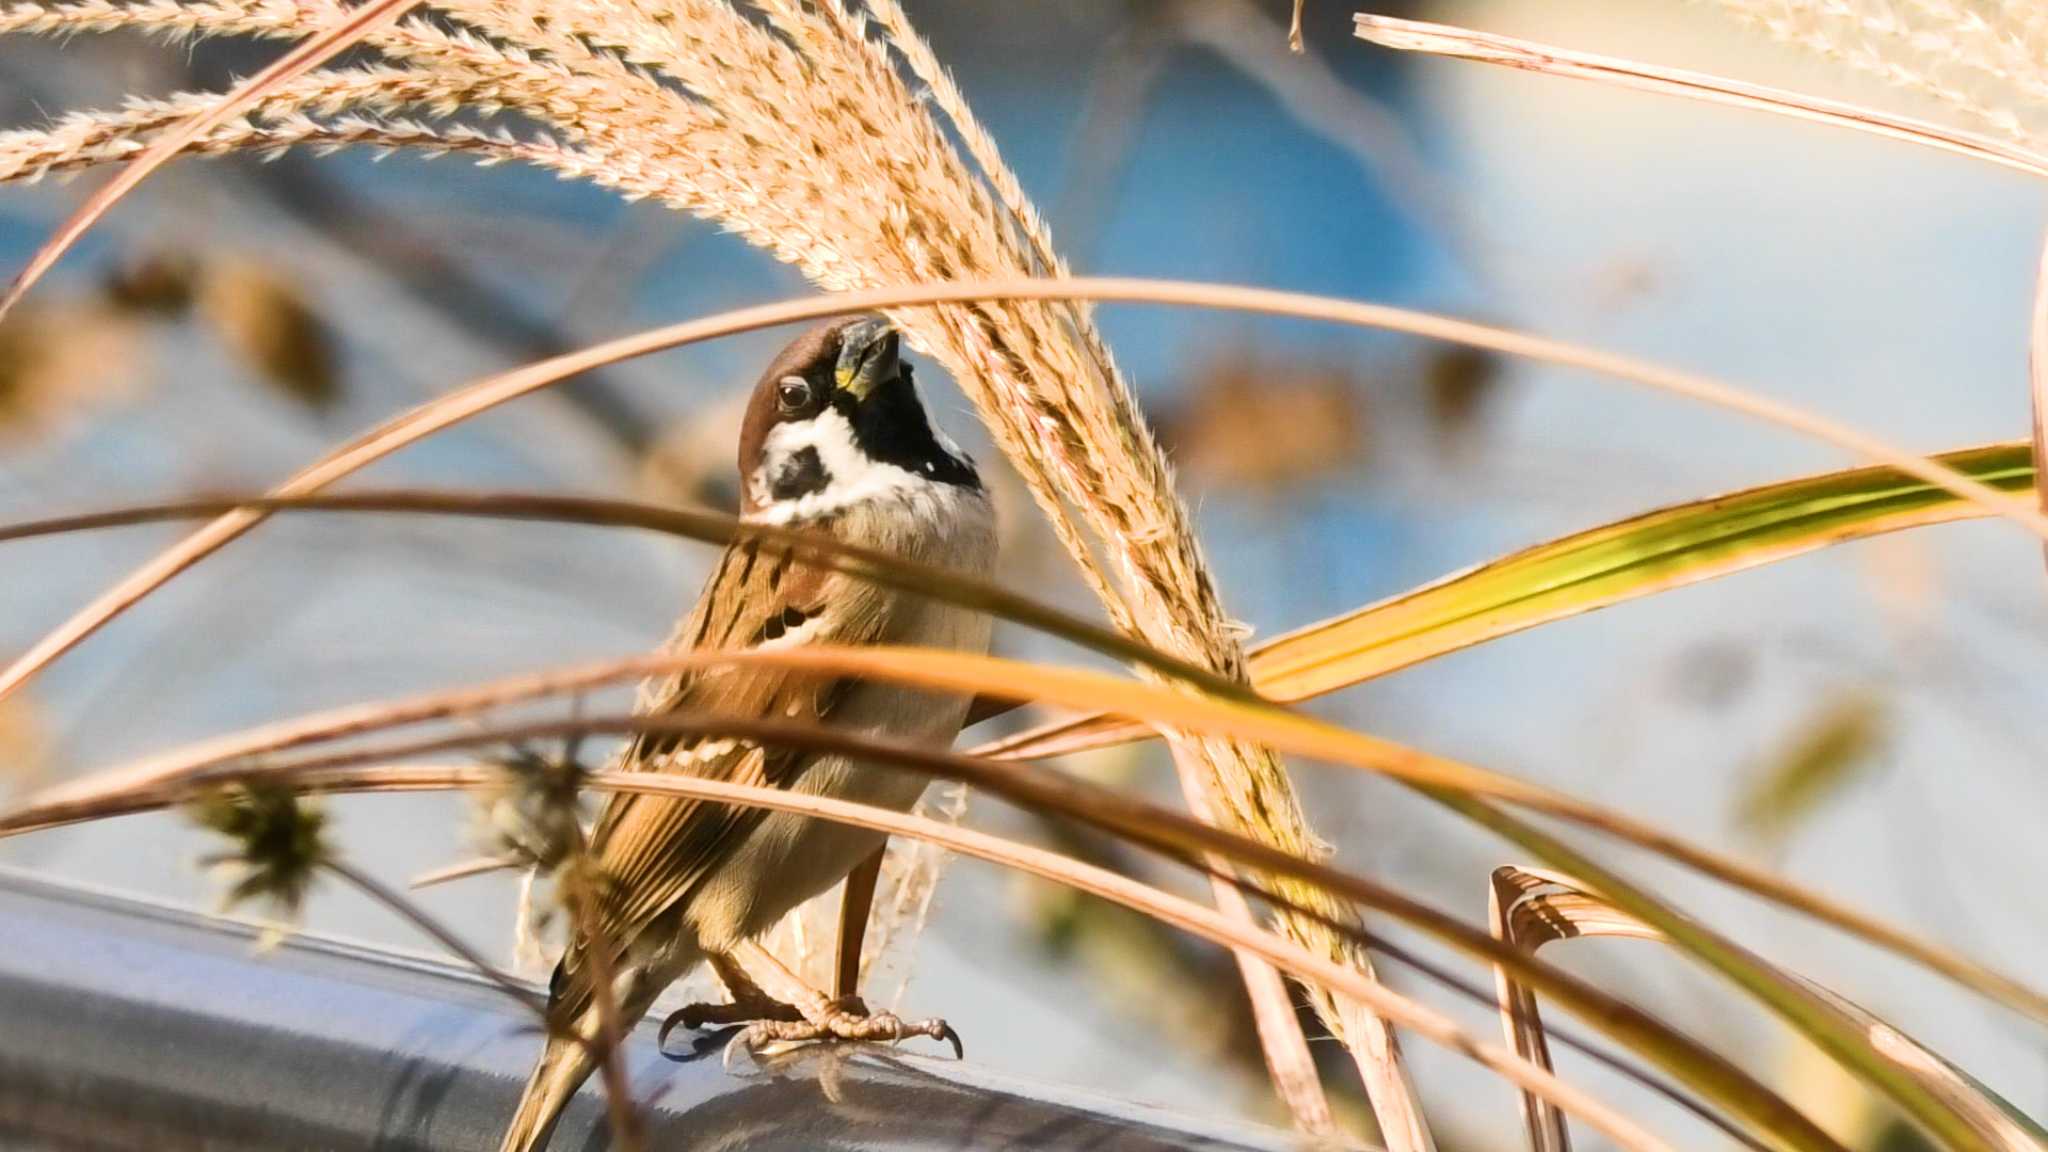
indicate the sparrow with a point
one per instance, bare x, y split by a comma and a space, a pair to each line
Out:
836, 441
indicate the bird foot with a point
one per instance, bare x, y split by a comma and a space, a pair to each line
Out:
845, 1019
743, 1010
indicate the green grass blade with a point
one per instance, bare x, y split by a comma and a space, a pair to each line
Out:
1669, 548
1792, 1001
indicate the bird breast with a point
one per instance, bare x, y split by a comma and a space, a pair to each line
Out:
788, 859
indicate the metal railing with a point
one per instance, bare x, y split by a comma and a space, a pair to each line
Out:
131, 1025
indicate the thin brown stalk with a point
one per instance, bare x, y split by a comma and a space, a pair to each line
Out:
1183, 838
1069, 688
1137, 896
1185, 914
581, 895
1282, 1043
1757, 881
405, 909
462, 870
702, 525
928, 668
1261, 786
487, 393
309, 54
1491, 48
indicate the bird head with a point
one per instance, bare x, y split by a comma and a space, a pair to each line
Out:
836, 420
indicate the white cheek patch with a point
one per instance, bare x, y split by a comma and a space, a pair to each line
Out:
802, 634
852, 477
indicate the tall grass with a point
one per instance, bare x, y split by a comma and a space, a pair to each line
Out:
827, 133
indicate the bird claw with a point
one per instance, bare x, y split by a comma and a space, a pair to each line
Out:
702, 1014
843, 1023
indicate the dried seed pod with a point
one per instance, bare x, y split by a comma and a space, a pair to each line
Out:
267, 322
533, 815
279, 842
1460, 380
156, 284
61, 361
1828, 753
1256, 422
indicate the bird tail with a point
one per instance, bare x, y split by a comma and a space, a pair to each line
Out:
564, 1065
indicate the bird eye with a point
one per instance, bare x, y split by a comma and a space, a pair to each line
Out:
793, 394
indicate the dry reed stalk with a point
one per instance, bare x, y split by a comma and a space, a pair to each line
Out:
1284, 1047
51, 805
485, 394
1186, 915
1982, 61
1182, 838
792, 124
1528, 55
800, 131
1962, 36
304, 56
1532, 907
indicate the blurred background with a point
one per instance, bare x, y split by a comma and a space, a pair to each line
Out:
1870, 719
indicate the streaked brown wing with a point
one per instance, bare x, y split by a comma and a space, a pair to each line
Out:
652, 849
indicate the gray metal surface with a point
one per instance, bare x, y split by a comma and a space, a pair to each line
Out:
128, 1025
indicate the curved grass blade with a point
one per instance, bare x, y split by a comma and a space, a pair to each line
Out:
1530, 908
1176, 835
1186, 915
698, 524
1612, 564
1460, 787
1433, 776
1527, 55
489, 392
1671, 548
1636, 557
1940, 1115
308, 54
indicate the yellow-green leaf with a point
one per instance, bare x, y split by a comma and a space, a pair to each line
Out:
1828, 752
1626, 560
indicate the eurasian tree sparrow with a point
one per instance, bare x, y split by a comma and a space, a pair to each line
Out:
835, 441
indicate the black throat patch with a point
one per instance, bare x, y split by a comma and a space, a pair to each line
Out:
890, 427
799, 476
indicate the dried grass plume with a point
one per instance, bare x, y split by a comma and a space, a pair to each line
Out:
814, 130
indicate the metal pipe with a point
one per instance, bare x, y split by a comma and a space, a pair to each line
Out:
126, 1025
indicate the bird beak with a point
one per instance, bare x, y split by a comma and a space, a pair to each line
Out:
869, 353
